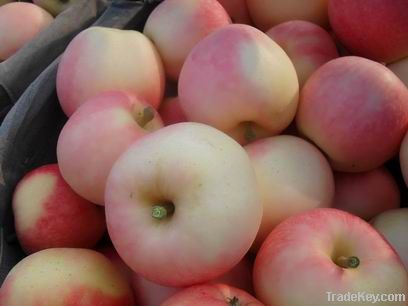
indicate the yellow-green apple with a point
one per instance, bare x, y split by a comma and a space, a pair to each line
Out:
212, 295
400, 68
237, 9
293, 176
20, 22
103, 59
54, 6
241, 82
312, 256
97, 134
366, 194
49, 214
176, 26
171, 112
307, 45
376, 29
393, 225
268, 13
182, 204
65, 277
356, 111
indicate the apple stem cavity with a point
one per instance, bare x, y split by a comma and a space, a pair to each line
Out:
162, 211
233, 302
144, 117
350, 262
249, 133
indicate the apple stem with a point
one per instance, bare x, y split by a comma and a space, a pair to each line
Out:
162, 211
233, 302
249, 133
143, 118
351, 262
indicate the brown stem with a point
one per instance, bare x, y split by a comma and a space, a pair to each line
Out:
350, 262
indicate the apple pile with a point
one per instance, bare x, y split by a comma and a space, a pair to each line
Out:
234, 153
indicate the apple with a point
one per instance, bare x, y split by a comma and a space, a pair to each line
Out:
212, 295
176, 26
400, 68
97, 134
393, 225
171, 112
293, 176
182, 205
49, 214
268, 13
65, 277
326, 251
237, 9
366, 194
356, 111
307, 45
218, 86
103, 59
376, 29
109, 252
20, 22
55, 7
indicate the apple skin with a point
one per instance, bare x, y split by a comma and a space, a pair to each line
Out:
303, 277
238, 10
171, 112
211, 295
96, 135
293, 176
20, 22
209, 179
393, 225
65, 277
54, 7
366, 194
90, 66
356, 111
266, 14
400, 68
356, 24
49, 214
176, 26
223, 66
307, 45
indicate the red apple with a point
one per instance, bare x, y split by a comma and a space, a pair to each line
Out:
366, 194
311, 256
237, 9
376, 29
49, 214
356, 111
171, 112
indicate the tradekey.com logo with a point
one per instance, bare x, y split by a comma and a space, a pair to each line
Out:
365, 297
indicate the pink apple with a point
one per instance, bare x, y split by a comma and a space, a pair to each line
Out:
96, 135
268, 13
293, 176
212, 295
171, 112
356, 111
49, 214
366, 194
307, 45
65, 277
400, 68
20, 22
218, 86
103, 59
237, 9
393, 225
376, 29
182, 205
313, 255
176, 26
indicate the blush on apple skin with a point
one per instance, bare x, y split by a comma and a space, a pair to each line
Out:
176, 26
307, 45
366, 194
171, 112
356, 111
49, 214
20, 22
323, 240
66, 277
376, 29
400, 68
